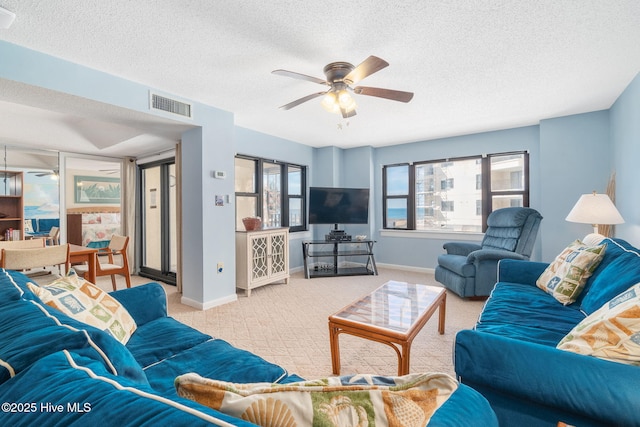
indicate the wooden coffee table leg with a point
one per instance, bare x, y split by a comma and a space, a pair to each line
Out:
335, 348
403, 366
442, 312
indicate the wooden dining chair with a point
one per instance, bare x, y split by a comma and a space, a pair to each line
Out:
117, 246
54, 236
25, 259
22, 244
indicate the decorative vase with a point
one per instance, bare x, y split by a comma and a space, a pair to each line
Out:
252, 223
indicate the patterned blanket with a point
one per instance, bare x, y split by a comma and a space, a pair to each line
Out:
359, 400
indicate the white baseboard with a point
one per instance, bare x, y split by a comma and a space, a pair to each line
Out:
209, 304
233, 298
406, 268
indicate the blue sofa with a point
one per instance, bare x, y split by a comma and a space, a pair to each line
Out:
42, 226
57, 371
511, 357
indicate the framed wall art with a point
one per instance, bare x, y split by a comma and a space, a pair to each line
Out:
96, 190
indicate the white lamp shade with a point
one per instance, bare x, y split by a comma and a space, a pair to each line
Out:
595, 209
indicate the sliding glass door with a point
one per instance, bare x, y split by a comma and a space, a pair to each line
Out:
158, 220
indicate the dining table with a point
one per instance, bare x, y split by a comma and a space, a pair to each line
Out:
82, 254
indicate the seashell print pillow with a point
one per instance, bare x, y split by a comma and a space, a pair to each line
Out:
357, 400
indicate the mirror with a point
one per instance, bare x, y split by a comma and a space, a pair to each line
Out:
36, 182
36, 189
92, 202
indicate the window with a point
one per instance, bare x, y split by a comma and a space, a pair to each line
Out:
446, 184
446, 206
509, 180
246, 190
396, 196
295, 190
451, 201
271, 190
453, 195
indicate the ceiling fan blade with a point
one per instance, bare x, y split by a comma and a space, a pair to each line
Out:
367, 67
394, 95
299, 76
41, 173
301, 100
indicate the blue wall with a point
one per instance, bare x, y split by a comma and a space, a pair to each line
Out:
358, 172
208, 146
625, 148
36, 69
569, 156
207, 229
258, 144
575, 159
327, 167
421, 249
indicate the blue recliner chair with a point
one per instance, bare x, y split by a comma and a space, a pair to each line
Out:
470, 269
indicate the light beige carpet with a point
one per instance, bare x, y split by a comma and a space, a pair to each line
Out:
287, 325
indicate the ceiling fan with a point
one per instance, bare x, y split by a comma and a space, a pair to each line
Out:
340, 78
54, 173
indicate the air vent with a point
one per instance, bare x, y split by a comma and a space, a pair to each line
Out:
169, 105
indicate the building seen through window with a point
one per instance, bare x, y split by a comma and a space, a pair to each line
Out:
272, 190
454, 195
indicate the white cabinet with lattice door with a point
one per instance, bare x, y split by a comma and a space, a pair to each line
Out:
262, 257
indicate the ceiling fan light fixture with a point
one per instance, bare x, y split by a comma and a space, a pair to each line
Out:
346, 101
337, 101
330, 103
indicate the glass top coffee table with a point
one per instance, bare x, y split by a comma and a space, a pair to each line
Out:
393, 314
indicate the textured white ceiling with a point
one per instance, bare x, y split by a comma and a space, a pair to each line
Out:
473, 65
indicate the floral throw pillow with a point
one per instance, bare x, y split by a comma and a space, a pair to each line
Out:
612, 332
357, 400
566, 276
85, 302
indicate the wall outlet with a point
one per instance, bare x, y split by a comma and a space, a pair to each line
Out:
220, 267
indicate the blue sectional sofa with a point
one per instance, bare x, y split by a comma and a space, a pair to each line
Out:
55, 370
41, 227
511, 356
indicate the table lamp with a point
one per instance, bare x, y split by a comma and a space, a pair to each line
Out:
595, 209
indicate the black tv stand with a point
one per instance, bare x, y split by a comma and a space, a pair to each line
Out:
326, 257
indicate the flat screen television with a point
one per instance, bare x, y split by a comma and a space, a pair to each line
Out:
328, 205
